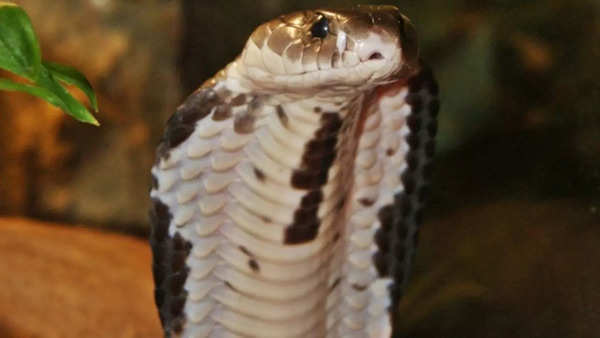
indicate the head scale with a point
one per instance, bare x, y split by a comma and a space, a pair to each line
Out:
311, 50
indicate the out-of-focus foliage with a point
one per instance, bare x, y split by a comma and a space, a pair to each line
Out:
20, 54
54, 168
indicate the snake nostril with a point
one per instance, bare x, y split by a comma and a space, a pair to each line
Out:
376, 56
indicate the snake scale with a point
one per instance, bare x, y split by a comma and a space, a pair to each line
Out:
288, 189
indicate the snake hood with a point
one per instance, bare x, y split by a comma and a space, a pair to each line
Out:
288, 189
336, 50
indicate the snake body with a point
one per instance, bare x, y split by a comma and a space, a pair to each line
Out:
288, 189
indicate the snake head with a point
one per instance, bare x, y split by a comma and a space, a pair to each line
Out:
309, 50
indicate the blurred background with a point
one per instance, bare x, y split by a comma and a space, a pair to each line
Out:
511, 242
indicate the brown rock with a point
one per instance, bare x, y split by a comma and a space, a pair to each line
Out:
73, 282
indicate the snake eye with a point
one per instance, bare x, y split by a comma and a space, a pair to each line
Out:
320, 29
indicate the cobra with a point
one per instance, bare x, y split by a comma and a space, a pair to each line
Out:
288, 189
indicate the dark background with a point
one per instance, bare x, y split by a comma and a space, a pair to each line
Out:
511, 242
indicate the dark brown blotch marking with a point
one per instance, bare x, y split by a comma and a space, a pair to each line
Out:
380, 260
401, 233
359, 287
169, 268
382, 240
197, 106
301, 234
260, 175
266, 219
366, 202
317, 109
306, 223
253, 264
396, 255
408, 181
413, 140
177, 305
223, 92
317, 158
282, 116
413, 160
183, 122
390, 152
221, 113
154, 182
336, 237
341, 203
432, 129
427, 169
245, 250
399, 273
414, 122
255, 105
227, 284
415, 84
422, 193
430, 149
335, 284
312, 199
385, 215
160, 218
406, 207
239, 100
310, 180
433, 107
330, 125
415, 101
409, 186
323, 149
243, 123
177, 326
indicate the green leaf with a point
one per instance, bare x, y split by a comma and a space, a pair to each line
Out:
40, 92
20, 54
72, 76
49, 89
19, 47
72, 106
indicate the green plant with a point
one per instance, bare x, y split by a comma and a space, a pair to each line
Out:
20, 54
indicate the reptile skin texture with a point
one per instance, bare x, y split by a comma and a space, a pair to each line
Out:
288, 189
